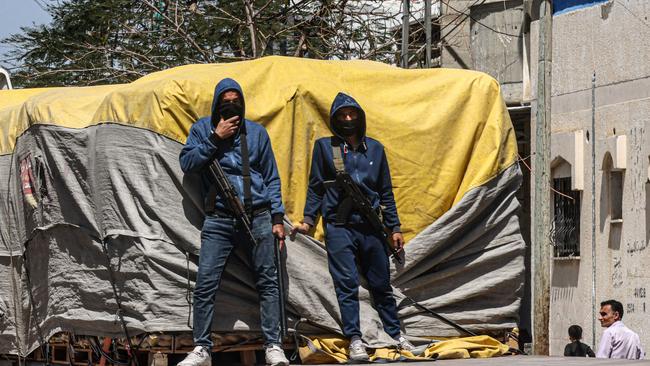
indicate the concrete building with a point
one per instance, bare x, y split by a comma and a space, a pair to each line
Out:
487, 36
612, 40
600, 47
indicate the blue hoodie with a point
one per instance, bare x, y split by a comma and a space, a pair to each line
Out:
203, 146
367, 166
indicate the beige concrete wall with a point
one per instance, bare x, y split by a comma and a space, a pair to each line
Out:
497, 54
612, 39
456, 29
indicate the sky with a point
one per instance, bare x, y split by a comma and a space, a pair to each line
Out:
19, 13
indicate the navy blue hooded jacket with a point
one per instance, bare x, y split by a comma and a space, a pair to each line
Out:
203, 146
367, 166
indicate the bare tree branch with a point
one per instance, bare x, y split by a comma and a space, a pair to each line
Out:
177, 29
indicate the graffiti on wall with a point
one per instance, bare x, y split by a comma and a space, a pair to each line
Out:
638, 304
617, 273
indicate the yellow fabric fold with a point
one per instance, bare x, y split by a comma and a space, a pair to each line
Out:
322, 350
445, 131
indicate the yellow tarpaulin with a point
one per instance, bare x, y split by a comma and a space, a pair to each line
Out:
335, 350
442, 137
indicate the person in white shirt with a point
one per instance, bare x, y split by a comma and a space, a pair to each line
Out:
618, 341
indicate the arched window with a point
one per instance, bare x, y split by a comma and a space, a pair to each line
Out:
566, 212
613, 189
647, 206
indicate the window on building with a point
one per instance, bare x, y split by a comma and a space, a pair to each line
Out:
613, 180
615, 196
647, 205
647, 212
566, 219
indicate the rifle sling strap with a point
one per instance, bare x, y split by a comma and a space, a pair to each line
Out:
210, 199
337, 156
246, 172
345, 205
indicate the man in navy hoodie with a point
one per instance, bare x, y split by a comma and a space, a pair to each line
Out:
353, 237
220, 137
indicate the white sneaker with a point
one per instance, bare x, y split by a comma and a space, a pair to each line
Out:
200, 356
275, 356
405, 344
358, 351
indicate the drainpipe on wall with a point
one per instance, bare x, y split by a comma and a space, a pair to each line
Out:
593, 210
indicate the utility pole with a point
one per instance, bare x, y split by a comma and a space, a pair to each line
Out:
406, 12
427, 31
542, 212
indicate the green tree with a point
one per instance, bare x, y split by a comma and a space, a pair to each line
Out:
90, 42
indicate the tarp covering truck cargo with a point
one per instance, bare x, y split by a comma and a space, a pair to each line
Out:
88, 168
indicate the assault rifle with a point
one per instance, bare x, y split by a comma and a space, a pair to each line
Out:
230, 195
354, 198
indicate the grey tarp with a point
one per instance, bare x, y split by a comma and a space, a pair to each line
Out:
10, 263
121, 188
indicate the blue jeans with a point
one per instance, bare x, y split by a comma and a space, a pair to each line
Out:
344, 244
218, 237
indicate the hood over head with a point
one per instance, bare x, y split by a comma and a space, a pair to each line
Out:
223, 86
343, 100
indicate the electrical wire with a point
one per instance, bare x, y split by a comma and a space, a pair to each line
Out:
456, 24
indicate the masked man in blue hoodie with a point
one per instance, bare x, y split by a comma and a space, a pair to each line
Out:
353, 238
243, 150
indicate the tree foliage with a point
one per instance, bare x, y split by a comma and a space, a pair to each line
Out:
91, 42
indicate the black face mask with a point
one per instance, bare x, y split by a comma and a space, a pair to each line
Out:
348, 128
230, 109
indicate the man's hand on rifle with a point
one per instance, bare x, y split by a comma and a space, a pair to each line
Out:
278, 231
226, 128
398, 241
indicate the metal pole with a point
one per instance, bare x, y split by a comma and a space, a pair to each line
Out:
541, 245
593, 210
427, 30
406, 11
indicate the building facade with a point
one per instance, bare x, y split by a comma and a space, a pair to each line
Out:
600, 76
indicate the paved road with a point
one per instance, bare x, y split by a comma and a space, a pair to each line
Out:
525, 361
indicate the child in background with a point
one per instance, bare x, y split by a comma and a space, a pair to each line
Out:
577, 348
